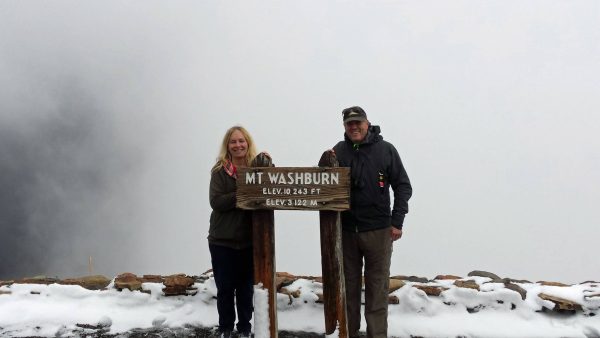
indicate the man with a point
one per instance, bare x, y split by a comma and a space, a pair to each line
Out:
370, 227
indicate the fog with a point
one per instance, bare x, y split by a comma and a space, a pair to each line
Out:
111, 115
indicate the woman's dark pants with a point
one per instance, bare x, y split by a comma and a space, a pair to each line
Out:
234, 275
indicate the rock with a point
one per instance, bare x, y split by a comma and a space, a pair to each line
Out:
414, 279
285, 275
475, 309
91, 327
312, 278
395, 284
586, 282
38, 280
129, 281
430, 290
6, 282
96, 282
446, 277
283, 279
561, 304
152, 279
319, 298
511, 280
294, 294
179, 291
393, 299
586, 297
179, 280
317, 279
179, 285
466, 284
479, 273
516, 288
5, 293
545, 283
201, 278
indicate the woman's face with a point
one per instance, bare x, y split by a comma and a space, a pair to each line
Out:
237, 145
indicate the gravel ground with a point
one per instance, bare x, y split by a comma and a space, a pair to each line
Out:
197, 332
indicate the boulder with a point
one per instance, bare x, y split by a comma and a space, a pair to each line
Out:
293, 294
561, 304
393, 299
319, 298
516, 288
201, 278
179, 280
285, 275
179, 285
38, 280
96, 282
447, 277
395, 284
479, 273
545, 283
283, 279
430, 290
414, 279
466, 284
129, 281
5, 292
6, 282
311, 278
511, 280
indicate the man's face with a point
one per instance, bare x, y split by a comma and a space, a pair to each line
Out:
356, 130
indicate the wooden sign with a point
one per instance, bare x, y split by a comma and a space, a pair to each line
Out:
293, 188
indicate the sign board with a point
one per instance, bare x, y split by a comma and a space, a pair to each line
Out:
294, 188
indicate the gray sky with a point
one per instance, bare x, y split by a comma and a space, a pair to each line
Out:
111, 115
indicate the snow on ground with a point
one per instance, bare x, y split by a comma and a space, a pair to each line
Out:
494, 311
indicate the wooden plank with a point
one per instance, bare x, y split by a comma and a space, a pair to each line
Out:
334, 287
293, 188
263, 232
264, 261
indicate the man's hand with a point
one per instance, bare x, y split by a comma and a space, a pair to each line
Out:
396, 233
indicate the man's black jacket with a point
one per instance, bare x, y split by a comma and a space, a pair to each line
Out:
375, 166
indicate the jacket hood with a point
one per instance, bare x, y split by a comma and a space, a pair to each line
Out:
373, 135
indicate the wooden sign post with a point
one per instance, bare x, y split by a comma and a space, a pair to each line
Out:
264, 188
332, 264
263, 237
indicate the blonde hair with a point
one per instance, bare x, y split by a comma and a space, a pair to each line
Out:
224, 155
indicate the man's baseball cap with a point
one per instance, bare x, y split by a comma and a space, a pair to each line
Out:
355, 113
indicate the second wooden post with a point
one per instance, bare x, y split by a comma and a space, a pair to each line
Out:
332, 264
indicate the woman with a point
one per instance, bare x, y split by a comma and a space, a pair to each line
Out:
230, 235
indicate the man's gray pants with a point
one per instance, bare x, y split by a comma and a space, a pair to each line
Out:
375, 247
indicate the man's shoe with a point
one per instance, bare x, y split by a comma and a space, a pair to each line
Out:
245, 335
225, 334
